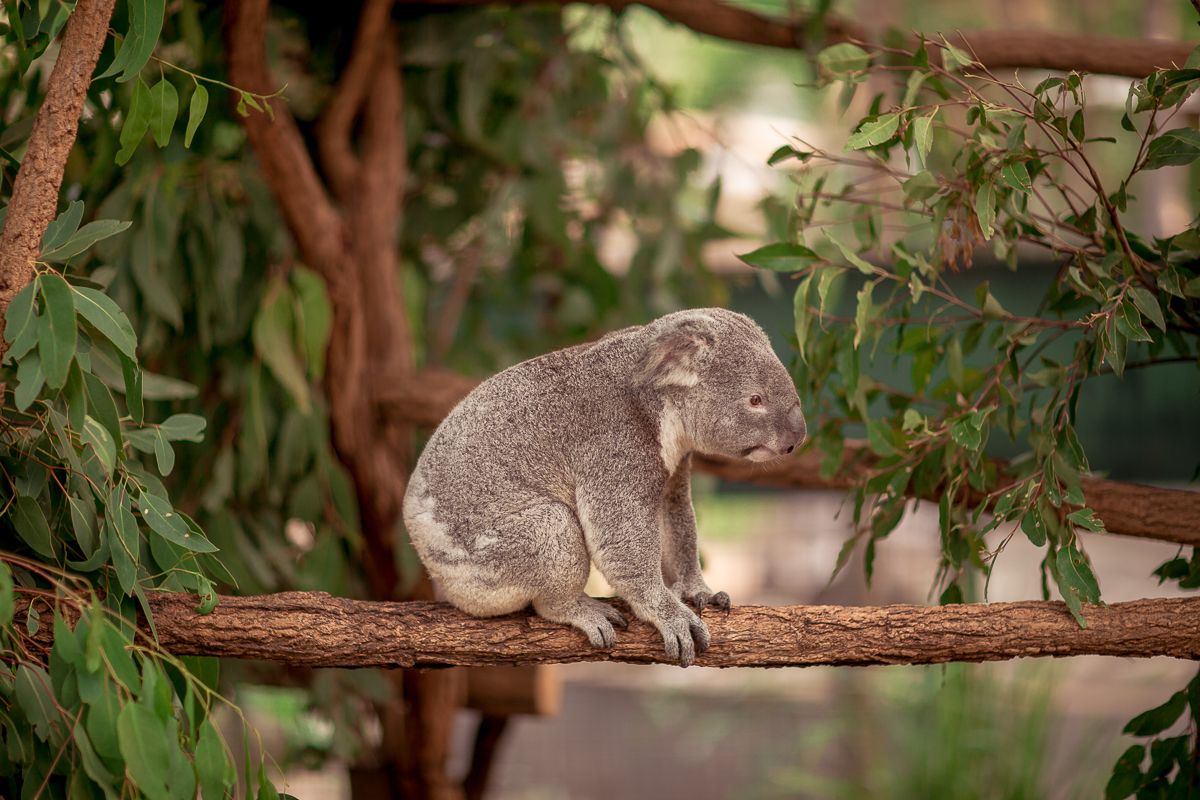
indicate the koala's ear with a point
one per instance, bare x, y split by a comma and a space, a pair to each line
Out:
674, 357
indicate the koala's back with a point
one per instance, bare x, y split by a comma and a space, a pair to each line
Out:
526, 433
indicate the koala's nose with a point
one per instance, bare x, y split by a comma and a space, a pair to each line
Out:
797, 426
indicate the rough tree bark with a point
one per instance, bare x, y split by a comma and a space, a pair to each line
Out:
313, 629
34, 201
995, 49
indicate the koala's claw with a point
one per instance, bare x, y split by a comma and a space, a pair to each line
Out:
703, 599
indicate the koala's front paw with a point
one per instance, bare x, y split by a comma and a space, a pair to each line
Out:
684, 636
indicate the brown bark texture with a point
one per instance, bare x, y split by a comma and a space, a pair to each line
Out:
34, 201
994, 49
312, 629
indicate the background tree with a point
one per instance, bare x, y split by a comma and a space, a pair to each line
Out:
443, 178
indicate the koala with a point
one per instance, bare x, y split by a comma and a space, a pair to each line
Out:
584, 456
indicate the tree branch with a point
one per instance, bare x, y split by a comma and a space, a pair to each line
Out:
34, 201
1112, 55
335, 129
315, 630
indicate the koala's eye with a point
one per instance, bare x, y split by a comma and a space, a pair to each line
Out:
755, 400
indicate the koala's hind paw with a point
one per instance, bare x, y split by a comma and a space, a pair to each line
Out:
702, 600
595, 618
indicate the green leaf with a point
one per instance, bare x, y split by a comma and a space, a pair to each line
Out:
1148, 305
146, 19
35, 697
84, 238
31, 525
164, 520
163, 453
864, 313
155, 289
196, 110
1075, 576
164, 109
921, 186
802, 313
107, 317
985, 208
103, 408
124, 540
7, 596
853, 258
94, 434
781, 257
62, 227
92, 765
1175, 148
988, 304
923, 137
183, 427
1157, 720
915, 79
1127, 774
874, 132
138, 121
843, 58
145, 748
30, 381
954, 57
21, 315
133, 388
274, 338
1129, 322
314, 318
1016, 176
1034, 527
212, 766
57, 333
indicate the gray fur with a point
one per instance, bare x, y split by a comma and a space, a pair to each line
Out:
584, 456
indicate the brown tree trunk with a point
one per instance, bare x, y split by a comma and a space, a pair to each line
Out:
352, 244
34, 201
312, 629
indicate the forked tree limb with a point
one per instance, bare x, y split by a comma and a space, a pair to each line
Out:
995, 49
315, 630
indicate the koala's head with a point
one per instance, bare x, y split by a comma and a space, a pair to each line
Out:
718, 368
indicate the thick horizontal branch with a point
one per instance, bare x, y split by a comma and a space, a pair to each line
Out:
995, 49
316, 630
